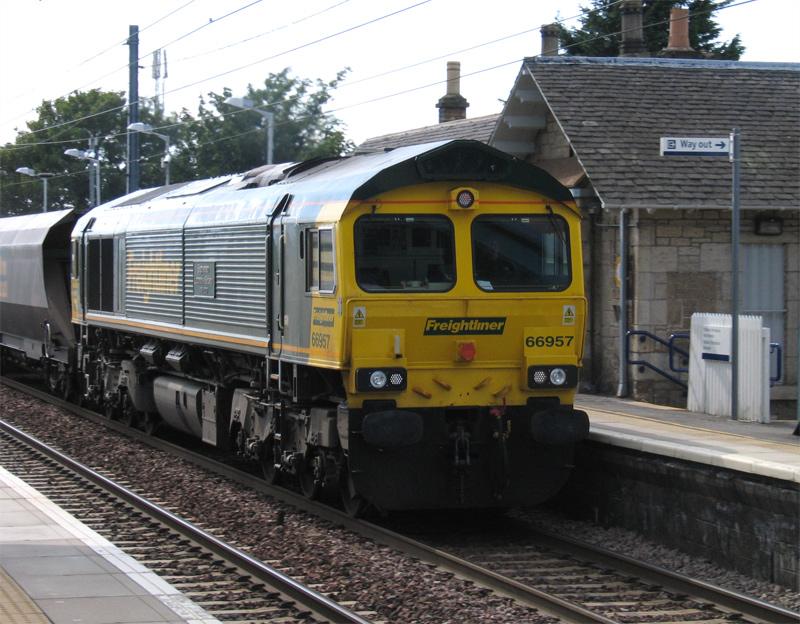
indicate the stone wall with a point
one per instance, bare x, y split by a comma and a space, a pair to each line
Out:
741, 521
681, 265
551, 143
601, 248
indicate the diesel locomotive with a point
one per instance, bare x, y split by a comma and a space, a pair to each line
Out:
403, 328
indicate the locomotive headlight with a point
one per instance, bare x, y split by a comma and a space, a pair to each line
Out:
383, 379
377, 379
558, 376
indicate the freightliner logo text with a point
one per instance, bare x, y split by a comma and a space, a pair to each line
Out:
464, 326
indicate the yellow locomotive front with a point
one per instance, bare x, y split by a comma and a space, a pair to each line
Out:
464, 316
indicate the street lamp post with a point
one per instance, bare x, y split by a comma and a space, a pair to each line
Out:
93, 179
93, 141
148, 129
266, 115
43, 177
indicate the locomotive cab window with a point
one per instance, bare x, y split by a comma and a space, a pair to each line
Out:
320, 274
521, 253
404, 253
100, 279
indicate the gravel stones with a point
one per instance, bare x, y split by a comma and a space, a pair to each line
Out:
336, 562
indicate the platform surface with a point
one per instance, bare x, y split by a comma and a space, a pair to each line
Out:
55, 569
767, 449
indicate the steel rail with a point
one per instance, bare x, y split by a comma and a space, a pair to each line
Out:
322, 606
502, 585
675, 581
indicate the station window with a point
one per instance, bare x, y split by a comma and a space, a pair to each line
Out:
320, 262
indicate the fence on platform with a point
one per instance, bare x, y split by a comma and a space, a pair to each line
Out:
710, 387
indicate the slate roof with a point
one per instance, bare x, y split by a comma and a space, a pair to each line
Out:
614, 110
479, 128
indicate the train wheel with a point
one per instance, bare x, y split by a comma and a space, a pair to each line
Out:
56, 380
272, 474
113, 408
129, 414
353, 503
310, 476
151, 422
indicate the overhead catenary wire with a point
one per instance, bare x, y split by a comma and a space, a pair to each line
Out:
97, 55
464, 75
146, 54
281, 27
141, 30
346, 85
265, 33
206, 24
389, 95
437, 82
235, 69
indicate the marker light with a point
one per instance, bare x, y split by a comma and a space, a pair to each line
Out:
377, 379
465, 198
539, 377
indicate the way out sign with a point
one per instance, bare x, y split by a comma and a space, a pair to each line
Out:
695, 146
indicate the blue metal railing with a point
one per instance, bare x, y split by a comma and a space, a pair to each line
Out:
671, 348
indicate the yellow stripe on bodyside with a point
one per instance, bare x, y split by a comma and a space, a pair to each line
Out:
111, 320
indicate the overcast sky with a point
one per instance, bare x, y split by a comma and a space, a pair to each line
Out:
49, 48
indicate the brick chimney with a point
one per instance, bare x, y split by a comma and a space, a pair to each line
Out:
632, 34
549, 39
678, 44
452, 105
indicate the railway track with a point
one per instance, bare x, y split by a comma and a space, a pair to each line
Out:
569, 580
229, 584
610, 587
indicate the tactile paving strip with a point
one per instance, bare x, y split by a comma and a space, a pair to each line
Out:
15, 605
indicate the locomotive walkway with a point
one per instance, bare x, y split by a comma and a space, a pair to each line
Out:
766, 449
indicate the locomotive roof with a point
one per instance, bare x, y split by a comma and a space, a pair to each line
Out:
320, 189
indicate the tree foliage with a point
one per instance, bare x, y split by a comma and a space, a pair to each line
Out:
599, 35
224, 139
41, 147
219, 139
